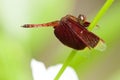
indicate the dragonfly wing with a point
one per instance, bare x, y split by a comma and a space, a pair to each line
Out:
90, 39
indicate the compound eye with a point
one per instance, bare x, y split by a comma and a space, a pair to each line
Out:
82, 18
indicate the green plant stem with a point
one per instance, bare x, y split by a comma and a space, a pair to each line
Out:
92, 25
100, 14
70, 57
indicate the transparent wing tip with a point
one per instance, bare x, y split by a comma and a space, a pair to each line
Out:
101, 46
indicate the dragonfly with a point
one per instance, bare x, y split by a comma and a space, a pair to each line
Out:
72, 31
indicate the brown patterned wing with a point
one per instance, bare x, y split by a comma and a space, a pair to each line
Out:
90, 39
68, 37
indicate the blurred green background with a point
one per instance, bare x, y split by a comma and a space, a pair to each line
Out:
19, 45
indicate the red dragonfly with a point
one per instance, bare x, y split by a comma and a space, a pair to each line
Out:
72, 31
